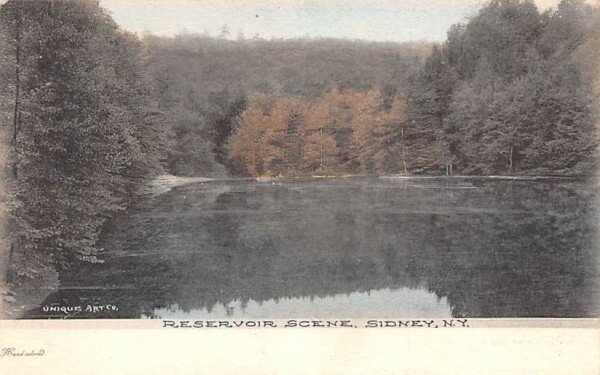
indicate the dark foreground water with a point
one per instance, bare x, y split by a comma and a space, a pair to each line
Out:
349, 248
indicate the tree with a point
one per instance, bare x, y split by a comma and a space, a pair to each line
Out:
428, 106
339, 133
15, 18
368, 127
87, 130
504, 94
211, 80
247, 146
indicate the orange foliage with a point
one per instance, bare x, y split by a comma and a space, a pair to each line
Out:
339, 133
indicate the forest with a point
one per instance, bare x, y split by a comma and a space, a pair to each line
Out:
83, 132
204, 84
511, 92
91, 113
340, 133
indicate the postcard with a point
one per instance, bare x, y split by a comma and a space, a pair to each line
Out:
343, 180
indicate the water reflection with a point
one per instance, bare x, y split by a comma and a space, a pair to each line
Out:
387, 303
482, 248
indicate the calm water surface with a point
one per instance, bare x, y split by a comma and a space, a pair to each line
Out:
362, 248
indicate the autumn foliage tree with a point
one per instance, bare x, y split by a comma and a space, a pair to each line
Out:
320, 152
342, 132
203, 85
374, 132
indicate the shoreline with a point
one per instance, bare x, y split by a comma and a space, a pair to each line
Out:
164, 183
409, 177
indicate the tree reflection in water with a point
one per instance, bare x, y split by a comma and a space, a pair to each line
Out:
488, 248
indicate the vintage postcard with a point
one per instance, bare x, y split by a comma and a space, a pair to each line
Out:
409, 169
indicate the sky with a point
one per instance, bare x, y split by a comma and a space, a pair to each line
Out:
378, 20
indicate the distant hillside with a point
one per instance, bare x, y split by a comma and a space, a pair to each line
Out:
286, 67
204, 83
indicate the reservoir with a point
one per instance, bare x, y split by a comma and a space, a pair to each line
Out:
384, 247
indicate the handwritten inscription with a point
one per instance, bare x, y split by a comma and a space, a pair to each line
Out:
316, 323
13, 352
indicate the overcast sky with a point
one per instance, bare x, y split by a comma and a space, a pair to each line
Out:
380, 20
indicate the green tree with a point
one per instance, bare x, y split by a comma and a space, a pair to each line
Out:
504, 94
87, 130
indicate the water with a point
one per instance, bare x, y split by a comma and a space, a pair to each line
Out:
362, 248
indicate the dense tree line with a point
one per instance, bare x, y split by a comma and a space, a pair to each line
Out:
341, 132
204, 84
511, 91
84, 131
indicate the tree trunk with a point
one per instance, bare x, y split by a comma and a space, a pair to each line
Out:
510, 165
5, 248
321, 161
404, 161
16, 115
